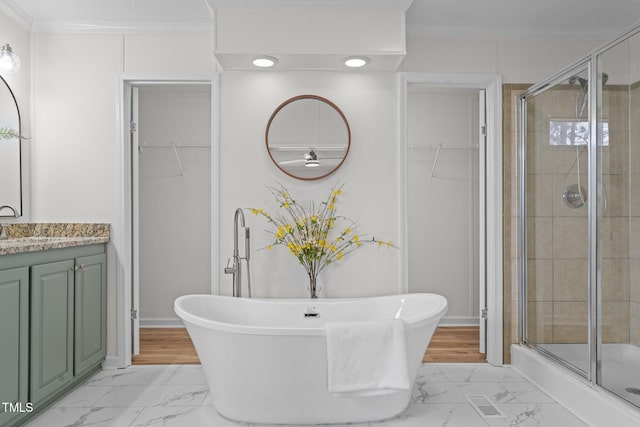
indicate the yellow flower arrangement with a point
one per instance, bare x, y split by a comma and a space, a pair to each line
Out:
306, 232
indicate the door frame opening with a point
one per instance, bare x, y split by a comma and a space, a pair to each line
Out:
491, 261
124, 228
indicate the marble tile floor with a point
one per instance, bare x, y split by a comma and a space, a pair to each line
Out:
177, 396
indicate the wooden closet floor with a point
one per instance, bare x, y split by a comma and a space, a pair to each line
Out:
165, 346
172, 346
455, 344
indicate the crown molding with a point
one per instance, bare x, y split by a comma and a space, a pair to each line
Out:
146, 28
15, 12
518, 33
398, 5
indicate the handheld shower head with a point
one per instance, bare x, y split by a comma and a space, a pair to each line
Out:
584, 83
584, 88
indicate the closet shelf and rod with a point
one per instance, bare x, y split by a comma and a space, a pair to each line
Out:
174, 147
440, 147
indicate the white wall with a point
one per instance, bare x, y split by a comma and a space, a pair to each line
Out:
76, 135
166, 55
370, 195
519, 61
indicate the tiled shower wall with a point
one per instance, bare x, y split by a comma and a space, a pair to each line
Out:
634, 211
616, 221
557, 264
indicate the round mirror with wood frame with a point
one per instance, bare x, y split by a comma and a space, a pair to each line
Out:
308, 137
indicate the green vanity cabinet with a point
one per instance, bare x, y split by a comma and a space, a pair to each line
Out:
68, 311
51, 328
14, 336
90, 345
52, 325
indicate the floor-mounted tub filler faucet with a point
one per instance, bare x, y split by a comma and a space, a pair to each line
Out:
236, 268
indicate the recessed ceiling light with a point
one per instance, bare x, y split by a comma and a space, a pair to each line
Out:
265, 61
356, 61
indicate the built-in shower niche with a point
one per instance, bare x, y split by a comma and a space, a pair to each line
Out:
580, 190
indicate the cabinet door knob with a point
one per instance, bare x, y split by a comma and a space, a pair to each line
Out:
78, 267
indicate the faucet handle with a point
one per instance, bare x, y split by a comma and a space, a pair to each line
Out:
229, 270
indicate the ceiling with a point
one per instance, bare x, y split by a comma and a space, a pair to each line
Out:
595, 19
576, 19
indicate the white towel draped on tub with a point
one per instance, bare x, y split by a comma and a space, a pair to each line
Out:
366, 358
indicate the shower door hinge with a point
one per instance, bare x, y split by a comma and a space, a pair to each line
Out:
483, 313
134, 314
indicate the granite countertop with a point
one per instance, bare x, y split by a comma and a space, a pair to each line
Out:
44, 236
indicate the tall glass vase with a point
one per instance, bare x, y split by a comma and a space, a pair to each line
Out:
312, 286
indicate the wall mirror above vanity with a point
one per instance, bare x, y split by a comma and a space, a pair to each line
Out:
10, 154
308, 137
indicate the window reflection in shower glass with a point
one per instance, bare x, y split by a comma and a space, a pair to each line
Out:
572, 132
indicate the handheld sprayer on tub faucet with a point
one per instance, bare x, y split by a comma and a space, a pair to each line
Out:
236, 268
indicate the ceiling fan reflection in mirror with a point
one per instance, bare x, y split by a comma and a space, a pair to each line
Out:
312, 157
308, 137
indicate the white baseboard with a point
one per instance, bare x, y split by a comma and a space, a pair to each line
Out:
593, 405
459, 321
111, 362
159, 322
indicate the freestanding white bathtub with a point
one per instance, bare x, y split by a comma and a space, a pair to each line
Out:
266, 362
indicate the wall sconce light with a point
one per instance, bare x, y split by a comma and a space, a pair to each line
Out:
356, 61
265, 61
9, 61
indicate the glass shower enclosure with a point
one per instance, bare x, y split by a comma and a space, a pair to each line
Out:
579, 196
